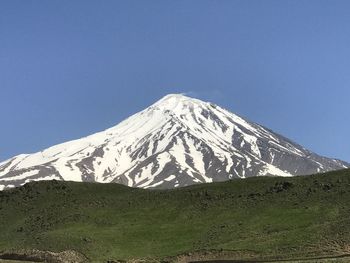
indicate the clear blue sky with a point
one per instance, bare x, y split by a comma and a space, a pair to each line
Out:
72, 68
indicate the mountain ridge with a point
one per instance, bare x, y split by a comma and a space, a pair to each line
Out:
175, 142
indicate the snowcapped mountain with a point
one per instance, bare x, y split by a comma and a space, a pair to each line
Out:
175, 142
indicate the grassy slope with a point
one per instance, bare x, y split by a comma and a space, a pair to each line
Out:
264, 217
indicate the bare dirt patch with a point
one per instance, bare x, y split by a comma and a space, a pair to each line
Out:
68, 256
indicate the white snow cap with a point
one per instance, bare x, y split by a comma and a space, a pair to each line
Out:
176, 141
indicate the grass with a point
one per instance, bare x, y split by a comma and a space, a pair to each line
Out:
257, 217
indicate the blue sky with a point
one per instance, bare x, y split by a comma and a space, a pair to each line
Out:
72, 68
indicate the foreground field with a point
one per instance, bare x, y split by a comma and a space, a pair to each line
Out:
256, 218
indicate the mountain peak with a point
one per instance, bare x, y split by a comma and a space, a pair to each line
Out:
177, 96
175, 142
177, 102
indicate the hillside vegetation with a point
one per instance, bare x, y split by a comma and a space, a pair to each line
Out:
255, 218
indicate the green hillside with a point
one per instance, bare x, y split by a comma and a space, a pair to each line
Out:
259, 218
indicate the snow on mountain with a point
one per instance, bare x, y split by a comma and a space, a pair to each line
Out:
175, 142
